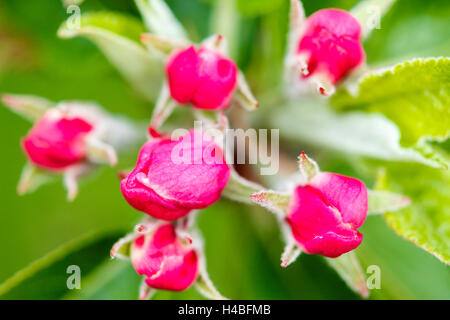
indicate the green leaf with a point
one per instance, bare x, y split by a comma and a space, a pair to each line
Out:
112, 280
357, 133
426, 20
426, 222
225, 20
46, 278
117, 36
415, 95
380, 202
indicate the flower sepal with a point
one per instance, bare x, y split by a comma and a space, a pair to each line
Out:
99, 152
161, 44
350, 270
308, 167
206, 288
274, 201
121, 249
291, 250
32, 178
28, 106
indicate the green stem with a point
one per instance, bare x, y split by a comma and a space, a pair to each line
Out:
225, 21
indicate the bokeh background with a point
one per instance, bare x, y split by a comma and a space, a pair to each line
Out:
243, 243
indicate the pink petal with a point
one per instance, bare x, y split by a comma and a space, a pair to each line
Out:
195, 184
56, 143
203, 77
145, 199
218, 78
331, 41
182, 74
348, 195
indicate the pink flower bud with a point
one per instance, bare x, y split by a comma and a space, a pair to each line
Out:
324, 215
172, 177
202, 77
169, 263
56, 141
331, 44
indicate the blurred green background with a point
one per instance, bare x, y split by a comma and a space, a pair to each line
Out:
243, 243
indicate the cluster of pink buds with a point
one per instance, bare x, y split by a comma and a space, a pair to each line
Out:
175, 177
172, 179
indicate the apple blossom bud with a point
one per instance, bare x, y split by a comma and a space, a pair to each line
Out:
325, 213
168, 262
173, 177
202, 77
330, 45
57, 141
